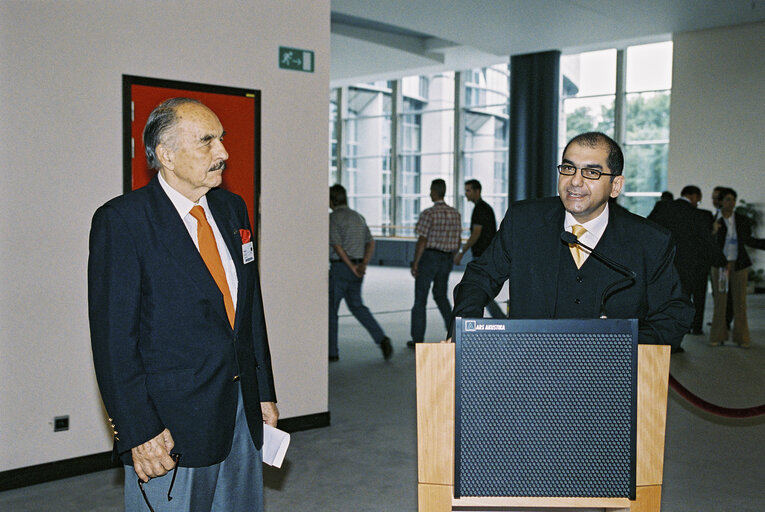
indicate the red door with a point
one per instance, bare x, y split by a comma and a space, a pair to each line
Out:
238, 111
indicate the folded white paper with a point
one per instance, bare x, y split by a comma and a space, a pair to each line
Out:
275, 444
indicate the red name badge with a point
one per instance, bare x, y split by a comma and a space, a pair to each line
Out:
245, 234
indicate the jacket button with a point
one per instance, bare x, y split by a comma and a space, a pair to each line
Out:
236, 378
577, 301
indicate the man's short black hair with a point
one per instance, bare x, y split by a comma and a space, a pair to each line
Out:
473, 184
726, 191
615, 160
690, 190
337, 195
438, 186
161, 121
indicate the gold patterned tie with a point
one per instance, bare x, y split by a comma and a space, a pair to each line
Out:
576, 251
209, 251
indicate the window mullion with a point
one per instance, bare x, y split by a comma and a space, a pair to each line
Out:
395, 144
620, 101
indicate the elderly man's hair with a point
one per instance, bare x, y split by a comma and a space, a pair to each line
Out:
438, 186
473, 184
161, 122
337, 195
615, 160
690, 190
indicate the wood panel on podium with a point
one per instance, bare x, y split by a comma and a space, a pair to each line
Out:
435, 438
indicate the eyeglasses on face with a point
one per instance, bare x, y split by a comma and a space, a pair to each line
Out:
587, 172
176, 457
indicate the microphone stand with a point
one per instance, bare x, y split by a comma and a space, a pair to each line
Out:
570, 239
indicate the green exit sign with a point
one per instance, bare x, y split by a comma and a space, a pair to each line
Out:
296, 59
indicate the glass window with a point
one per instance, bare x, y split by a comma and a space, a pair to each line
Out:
646, 138
427, 143
589, 92
486, 136
649, 67
391, 190
333, 176
589, 103
366, 160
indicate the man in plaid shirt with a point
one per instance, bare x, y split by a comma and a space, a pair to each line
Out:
438, 230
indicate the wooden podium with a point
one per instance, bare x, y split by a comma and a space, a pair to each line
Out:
435, 438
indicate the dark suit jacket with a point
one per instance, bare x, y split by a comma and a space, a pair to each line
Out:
691, 230
744, 238
527, 251
164, 352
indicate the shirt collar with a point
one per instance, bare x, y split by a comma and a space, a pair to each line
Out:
182, 203
595, 226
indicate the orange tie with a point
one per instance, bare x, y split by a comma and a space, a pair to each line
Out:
576, 251
209, 251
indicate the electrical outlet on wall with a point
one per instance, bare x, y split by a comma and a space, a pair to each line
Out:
60, 423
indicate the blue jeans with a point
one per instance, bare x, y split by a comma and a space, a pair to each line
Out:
343, 284
234, 484
434, 267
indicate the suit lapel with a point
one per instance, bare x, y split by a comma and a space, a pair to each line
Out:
552, 245
175, 237
229, 230
614, 242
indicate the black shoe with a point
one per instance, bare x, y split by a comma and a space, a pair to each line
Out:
410, 344
696, 332
386, 347
332, 359
677, 350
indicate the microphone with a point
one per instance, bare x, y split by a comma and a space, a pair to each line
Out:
571, 238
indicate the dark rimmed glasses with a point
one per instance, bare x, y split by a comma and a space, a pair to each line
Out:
587, 172
176, 457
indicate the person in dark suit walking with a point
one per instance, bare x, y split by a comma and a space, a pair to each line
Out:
177, 325
691, 230
549, 279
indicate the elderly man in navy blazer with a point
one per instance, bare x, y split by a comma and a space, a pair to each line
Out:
177, 325
550, 279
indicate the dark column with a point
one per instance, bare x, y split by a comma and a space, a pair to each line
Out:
534, 103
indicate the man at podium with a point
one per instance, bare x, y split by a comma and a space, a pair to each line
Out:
580, 255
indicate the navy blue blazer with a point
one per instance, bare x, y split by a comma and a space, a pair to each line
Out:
527, 252
164, 351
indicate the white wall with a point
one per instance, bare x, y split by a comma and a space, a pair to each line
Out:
61, 66
717, 117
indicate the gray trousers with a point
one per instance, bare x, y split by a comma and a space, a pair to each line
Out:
236, 484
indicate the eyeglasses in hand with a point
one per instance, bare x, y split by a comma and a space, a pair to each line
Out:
176, 457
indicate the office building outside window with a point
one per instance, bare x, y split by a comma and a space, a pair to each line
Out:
366, 152
427, 144
486, 136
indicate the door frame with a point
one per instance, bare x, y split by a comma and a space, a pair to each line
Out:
128, 149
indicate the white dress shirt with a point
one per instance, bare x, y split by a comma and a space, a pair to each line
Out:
595, 229
184, 205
